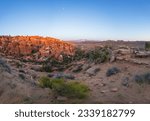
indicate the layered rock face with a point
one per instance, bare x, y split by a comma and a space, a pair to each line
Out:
34, 47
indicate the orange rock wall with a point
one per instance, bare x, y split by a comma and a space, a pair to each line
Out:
34, 47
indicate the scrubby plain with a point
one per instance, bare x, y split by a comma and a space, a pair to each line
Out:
34, 69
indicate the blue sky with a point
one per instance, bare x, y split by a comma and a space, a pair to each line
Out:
77, 19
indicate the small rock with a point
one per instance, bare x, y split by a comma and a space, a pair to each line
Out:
61, 98
36, 67
125, 82
102, 84
85, 67
114, 89
58, 75
33, 76
119, 58
92, 71
69, 76
62, 75
112, 56
130, 102
77, 68
112, 59
104, 91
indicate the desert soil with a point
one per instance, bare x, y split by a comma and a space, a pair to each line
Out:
21, 84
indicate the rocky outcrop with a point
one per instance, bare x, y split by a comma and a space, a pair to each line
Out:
129, 54
142, 54
34, 47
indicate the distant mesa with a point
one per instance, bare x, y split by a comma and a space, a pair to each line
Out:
35, 48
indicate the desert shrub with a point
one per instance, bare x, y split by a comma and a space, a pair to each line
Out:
70, 89
46, 67
58, 86
143, 78
98, 55
45, 82
76, 90
79, 54
52, 63
147, 46
61, 87
22, 76
112, 71
18, 64
66, 59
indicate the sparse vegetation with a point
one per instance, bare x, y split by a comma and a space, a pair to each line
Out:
98, 55
4, 66
61, 87
46, 67
45, 82
143, 78
22, 76
147, 46
18, 64
79, 54
66, 59
52, 63
112, 71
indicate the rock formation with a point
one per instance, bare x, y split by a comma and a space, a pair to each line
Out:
34, 47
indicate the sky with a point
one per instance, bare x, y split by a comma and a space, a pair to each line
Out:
77, 19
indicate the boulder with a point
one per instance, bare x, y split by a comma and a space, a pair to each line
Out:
92, 71
36, 67
142, 54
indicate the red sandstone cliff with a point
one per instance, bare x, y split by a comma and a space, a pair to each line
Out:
34, 47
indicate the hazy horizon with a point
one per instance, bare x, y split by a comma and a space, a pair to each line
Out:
77, 19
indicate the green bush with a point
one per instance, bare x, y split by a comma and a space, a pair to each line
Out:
61, 87
147, 46
76, 90
79, 54
45, 82
51, 63
66, 59
98, 55
70, 89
